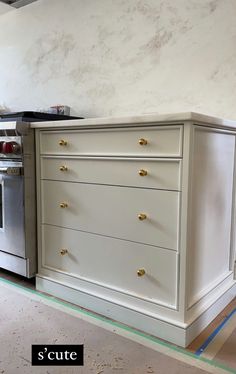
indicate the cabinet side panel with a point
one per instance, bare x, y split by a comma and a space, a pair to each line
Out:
211, 211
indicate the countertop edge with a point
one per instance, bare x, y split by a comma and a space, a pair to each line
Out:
159, 119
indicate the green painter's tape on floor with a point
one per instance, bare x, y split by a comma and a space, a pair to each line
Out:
119, 325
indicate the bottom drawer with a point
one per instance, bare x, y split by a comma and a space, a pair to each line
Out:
112, 263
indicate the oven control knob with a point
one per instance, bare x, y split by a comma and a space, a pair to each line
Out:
10, 147
7, 147
16, 147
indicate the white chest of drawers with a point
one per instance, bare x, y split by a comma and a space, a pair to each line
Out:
136, 219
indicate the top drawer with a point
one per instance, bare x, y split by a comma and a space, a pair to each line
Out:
161, 141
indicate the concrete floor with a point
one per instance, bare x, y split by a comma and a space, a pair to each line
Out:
25, 320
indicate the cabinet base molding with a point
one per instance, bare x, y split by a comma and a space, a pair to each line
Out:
156, 327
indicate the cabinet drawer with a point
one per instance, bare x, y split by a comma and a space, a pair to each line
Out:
112, 263
113, 211
161, 174
161, 141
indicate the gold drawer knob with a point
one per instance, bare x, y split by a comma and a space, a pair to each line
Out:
140, 272
142, 216
142, 141
63, 205
63, 252
62, 142
142, 172
63, 168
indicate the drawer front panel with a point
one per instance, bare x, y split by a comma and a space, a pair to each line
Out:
161, 174
161, 141
113, 263
113, 211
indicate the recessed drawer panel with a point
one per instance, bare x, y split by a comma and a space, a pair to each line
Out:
161, 174
149, 141
142, 271
141, 215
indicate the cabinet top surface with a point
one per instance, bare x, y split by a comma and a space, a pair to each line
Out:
145, 119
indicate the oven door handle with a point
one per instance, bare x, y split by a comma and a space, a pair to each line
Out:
10, 171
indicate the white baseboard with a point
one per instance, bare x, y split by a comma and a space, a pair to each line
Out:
200, 323
156, 327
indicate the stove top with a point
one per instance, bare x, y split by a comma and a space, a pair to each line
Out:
31, 116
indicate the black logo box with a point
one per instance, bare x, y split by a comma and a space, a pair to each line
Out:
57, 355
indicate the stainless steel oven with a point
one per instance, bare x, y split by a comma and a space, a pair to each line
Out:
17, 190
17, 199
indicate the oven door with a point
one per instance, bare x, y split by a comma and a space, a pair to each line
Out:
12, 235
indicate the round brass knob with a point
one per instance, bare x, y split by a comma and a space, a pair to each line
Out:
142, 141
63, 252
63, 205
142, 216
62, 142
142, 172
63, 168
140, 272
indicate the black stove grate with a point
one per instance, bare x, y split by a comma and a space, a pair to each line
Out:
30, 116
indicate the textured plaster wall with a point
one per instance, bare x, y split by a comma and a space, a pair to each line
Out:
119, 57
